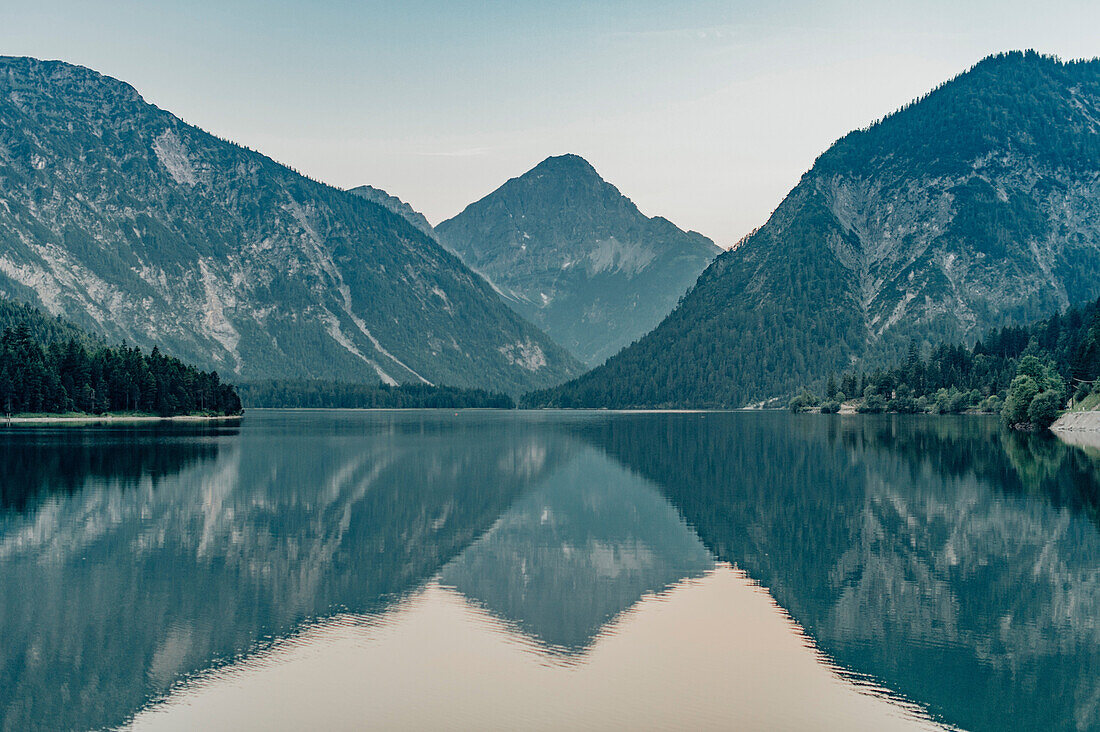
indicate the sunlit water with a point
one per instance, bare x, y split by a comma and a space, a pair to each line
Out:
504, 570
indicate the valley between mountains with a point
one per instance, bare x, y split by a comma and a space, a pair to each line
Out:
974, 207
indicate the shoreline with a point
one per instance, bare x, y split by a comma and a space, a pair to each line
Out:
1085, 421
86, 419
1078, 428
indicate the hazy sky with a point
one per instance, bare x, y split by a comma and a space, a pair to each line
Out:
702, 111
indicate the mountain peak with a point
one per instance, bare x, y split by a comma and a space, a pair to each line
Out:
567, 164
394, 205
576, 256
78, 82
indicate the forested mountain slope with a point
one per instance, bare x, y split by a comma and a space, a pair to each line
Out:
45, 330
975, 206
140, 227
576, 257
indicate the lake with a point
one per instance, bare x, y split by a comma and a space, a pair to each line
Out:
549, 570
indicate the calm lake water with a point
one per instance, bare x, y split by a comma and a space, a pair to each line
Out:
503, 570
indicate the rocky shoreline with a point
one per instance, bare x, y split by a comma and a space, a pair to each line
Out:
1079, 428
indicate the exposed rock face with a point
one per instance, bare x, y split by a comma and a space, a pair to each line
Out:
568, 251
137, 226
975, 206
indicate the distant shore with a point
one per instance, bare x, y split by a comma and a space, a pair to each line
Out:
83, 419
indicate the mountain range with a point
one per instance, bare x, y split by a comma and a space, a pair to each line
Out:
576, 257
975, 206
139, 227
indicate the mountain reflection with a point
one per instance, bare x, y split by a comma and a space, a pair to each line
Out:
114, 591
577, 551
957, 564
953, 563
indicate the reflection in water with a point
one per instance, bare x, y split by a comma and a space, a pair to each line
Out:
957, 564
64, 459
951, 563
115, 591
573, 554
711, 653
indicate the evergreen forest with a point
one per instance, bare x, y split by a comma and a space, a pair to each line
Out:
48, 366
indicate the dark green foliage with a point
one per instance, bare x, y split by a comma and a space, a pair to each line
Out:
43, 329
1044, 408
335, 394
872, 404
804, 402
903, 404
1035, 395
977, 113
66, 377
952, 401
1005, 373
969, 209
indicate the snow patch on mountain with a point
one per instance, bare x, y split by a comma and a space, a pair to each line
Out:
612, 255
35, 278
345, 293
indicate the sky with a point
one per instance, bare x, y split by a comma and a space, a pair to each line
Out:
704, 112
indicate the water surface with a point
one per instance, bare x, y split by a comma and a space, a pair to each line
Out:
548, 570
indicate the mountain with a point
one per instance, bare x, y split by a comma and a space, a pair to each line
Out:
975, 206
395, 205
140, 227
576, 257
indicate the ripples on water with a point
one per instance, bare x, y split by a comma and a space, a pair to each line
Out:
543, 570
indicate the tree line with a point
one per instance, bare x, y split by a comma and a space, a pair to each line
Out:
67, 376
319, 394
1024, 373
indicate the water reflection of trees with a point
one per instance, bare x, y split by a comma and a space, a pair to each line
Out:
958, 564
114, 592
37, 463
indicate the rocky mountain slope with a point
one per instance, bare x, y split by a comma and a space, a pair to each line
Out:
576, 257
396, 205
972, 207
140, 227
